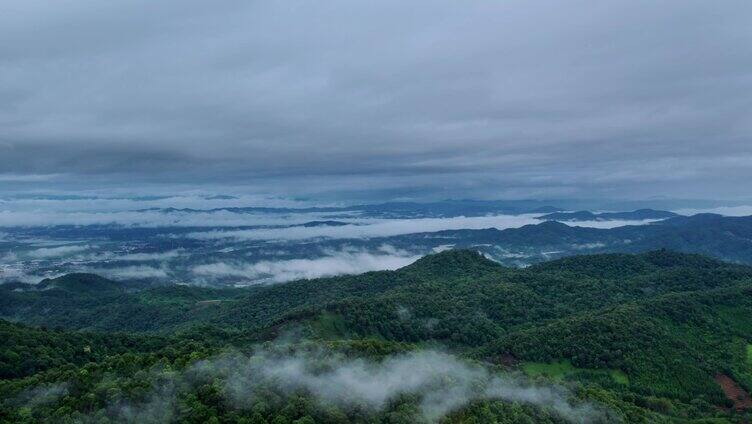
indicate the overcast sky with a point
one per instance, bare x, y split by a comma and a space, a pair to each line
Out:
446, 98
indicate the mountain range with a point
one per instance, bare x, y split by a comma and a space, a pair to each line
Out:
654, 337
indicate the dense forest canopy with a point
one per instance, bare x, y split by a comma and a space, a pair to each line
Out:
654, 337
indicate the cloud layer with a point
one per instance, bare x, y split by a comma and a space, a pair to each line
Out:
490, 98
56, 252
368, 228
334, 263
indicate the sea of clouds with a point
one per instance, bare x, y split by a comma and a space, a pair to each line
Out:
335, 262
216, 230
370, 228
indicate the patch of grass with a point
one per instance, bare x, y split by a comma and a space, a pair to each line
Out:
619, 376
749, 354
329, 326
555, 370
560, 370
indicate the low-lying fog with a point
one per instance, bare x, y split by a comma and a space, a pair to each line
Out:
210, 240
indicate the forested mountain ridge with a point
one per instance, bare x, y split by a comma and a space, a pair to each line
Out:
166, 308
722, 237
642, 337
636, 215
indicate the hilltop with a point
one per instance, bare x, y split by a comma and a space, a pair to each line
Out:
636, 215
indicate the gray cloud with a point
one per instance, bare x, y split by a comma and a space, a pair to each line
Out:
345, 261
159, 256
42, 395
444, 382
132, 272
56, 252
620, 98
441, 382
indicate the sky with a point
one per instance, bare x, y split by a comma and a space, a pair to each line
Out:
439, 99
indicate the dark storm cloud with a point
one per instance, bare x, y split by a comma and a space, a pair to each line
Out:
554, 97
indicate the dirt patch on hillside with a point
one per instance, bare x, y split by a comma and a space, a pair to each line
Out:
734, 392
508, 360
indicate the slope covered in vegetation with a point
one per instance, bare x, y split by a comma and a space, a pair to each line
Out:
604, 338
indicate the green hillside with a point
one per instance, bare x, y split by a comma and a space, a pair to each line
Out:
605, 338
80, 283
